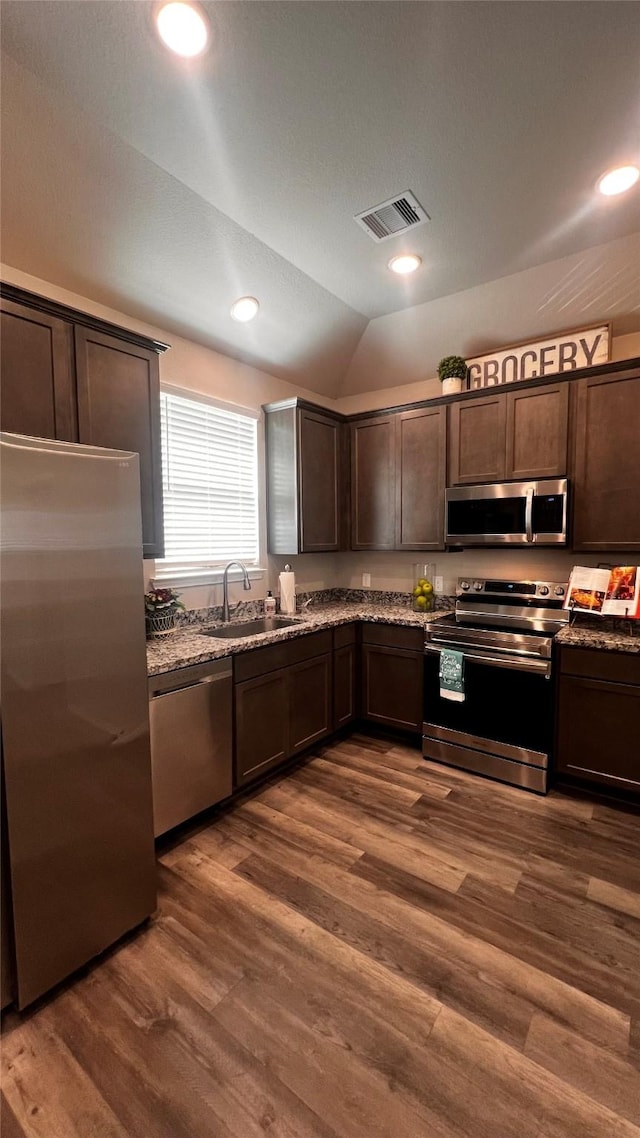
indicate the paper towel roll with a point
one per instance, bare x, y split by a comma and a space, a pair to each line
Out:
287, 593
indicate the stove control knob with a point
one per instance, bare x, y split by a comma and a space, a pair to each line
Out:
477, 586
464, 585
559, 590
544, 590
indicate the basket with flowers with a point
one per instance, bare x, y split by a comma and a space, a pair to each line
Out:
161, 606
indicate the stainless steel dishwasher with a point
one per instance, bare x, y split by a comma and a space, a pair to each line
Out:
191, 741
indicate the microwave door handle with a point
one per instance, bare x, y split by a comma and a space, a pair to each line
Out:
528, 513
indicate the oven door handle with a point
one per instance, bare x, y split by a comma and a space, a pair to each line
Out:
528, 513
515, 663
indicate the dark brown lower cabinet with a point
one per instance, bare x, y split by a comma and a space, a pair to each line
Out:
282, 703
309, 703
262, 725
392, 676
345, 675
598, 732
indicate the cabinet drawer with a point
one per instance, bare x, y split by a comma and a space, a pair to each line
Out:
262, 660
617, 667
394, 636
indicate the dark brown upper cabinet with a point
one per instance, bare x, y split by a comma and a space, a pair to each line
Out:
512, 434
606, 501
398, 463
537, 432
373, 465
67, 375
477, 440
421, 439
38, 381
119, 406
307, 483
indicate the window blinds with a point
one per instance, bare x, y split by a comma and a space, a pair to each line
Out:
209, 481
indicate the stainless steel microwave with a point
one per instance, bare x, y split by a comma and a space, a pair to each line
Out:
513, 513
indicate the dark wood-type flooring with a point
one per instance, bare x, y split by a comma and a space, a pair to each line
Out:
371, 947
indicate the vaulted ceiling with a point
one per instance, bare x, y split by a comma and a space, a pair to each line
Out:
166, 188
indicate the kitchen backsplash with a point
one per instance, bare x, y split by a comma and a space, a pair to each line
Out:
391, 574
248, 610
394, 571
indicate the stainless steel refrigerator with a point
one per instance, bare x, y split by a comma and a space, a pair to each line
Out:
75, 722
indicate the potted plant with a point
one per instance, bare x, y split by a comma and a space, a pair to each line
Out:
161, 606
452, 370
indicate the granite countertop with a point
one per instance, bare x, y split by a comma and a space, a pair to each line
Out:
593, 635
188, 645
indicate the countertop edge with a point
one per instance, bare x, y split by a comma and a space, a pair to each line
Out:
185, 648
188, 646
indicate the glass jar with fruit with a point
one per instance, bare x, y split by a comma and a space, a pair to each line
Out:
423, 594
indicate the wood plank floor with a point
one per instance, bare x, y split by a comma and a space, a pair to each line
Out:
371, 947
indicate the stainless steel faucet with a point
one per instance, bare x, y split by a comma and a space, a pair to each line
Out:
225, 587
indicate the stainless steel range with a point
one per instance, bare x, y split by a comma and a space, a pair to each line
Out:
501, 723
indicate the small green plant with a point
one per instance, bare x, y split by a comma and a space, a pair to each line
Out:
452, 367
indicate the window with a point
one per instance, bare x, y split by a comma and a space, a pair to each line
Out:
209, 482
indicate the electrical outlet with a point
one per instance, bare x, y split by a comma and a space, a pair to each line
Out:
366, 580
438, 584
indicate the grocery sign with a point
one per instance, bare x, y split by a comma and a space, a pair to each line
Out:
584, 347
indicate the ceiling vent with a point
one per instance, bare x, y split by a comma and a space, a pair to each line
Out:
392, 217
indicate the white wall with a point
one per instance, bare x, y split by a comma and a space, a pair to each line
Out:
197, 368
395, 570
622, 348
578, 291
201, 369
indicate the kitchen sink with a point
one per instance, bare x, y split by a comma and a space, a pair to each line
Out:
250, 627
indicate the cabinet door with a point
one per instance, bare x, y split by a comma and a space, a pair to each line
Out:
420, 478
599, 731
262, 725
606, 512
392, 686
36, 363
537, 429
119, 407
477, 440
320, 478
309, 702
373, 483
345, 685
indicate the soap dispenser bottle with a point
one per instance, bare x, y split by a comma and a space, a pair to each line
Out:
269, 604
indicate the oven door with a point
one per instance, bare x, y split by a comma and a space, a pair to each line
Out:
504, 726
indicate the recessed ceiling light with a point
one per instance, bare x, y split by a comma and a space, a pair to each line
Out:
405, 263
183, 28
244, 309
618, 180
